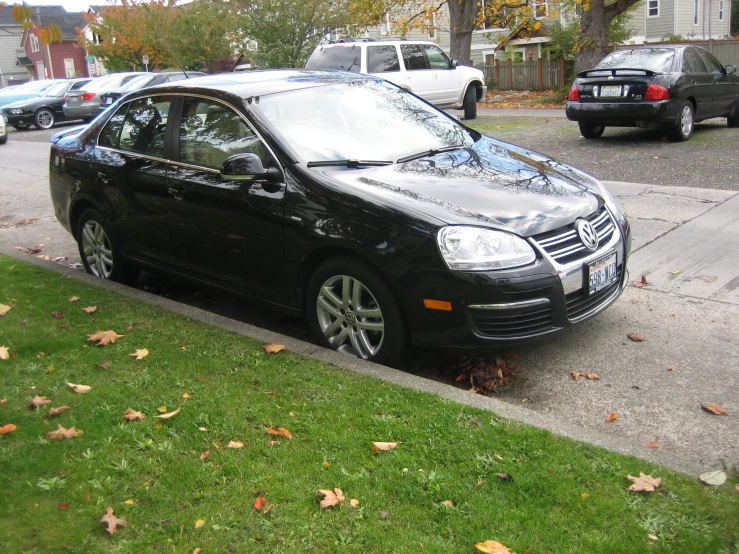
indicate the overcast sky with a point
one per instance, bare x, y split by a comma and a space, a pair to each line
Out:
69, 5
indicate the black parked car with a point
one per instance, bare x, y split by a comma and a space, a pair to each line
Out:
146, 80
42, 111
346, 199
664, 86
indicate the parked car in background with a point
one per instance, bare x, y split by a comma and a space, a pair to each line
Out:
420, 67
3, 130
146, 80
670, 87
83, 104
9, 95
342, 197
44, 110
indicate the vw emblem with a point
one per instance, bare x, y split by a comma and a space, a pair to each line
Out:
350, 318
587, 234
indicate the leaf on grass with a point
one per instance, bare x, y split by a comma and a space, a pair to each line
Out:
53, 412
162, 409
383, 446
279, 431
714, 478
7, 428
4, 354
133, 415
63, 325
130, 502
74, 299
82, 389
273, 348
90, 309
331, 498
103, 338
716, 409
4, 309
354, 502
235, 444
64, 506
492, 547
447, 503
643, 483
259, 503
140, 354
170, 414
62, 433
504, 476
612, 417
105, 366
199, 523
57, 315
652, 444
637, 337
38, 401
204, 455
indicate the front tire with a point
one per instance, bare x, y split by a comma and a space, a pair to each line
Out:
351, 309
44, 119
683, 130
590, 130
733, 120
4, 139
100, 254
470, 103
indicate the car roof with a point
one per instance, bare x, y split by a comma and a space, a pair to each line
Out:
375, 42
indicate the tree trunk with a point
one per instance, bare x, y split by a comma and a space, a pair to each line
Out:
462, 16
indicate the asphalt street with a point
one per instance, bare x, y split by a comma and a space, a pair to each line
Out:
685, 241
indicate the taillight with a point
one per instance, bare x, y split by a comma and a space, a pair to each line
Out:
85, 96
66, 98
574, 95
656, 92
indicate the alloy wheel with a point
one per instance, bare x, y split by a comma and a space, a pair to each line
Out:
97, 250
686, 120
45, 119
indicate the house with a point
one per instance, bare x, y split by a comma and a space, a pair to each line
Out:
11, 72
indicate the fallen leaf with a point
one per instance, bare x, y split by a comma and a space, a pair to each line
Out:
53, 412
62, 433
130, 502
140, 354
199, 523
82, 389
64, 506
162, 409
326, 464
74, 299
676, 272
197, 551
185, 395
448, 503
584, 496
383, 446
57, 315
643, 483
714, 409
279, 431
3, 402
637, 337
38, 401
587, 374
354, 502
133, 415
259, 503
104, 338
204, 455
51, 369
671, 368
709, 278
612, 417
383, 515
170, 414
268, 509
273, 348
235, 444
714, 478
63, 325
5, 309
331, 498
492, 547
641, 282
7, 428
90, 309
652, 444
4, 354
504, 476
105, 366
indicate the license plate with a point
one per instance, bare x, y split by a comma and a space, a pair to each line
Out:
108, 100
610, 92
601, 273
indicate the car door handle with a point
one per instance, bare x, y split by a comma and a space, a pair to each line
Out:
177, 192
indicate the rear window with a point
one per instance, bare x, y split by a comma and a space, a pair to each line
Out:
382, 58
98, 83
338, 57
652, 59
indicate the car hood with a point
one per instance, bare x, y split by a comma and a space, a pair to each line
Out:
492, 183
33, 102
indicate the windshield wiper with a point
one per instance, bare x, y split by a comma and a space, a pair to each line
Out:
348, 163
431, 152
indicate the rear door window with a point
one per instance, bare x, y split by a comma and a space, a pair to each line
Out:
381, 59
339, 57
413, 57
692, 62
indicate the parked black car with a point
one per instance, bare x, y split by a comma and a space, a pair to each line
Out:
146, 80
346, 199
665, 86
42, 111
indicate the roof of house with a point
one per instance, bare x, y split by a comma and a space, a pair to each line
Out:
523, 32
6, 16
68, 22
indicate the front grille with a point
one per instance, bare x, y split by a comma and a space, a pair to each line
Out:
513, 322
564, 244
579, 304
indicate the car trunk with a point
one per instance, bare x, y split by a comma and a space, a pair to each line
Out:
614, 85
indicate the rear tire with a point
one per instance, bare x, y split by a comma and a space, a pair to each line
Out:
4, 139
590, 130
733, 120
44, 119
470, 102
683, 129
100, 254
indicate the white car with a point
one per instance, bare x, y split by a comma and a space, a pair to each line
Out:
3, 130
426, 70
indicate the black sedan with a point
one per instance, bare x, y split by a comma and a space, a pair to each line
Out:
671, 87
145, 81
344, 198
41, 111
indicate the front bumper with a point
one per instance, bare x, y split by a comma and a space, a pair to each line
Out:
24, 119
624, 114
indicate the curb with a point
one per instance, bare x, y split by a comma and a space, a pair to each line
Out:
387, 374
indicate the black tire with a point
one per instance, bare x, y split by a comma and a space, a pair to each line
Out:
334, 320
590, 130
100, 254
470, 102
4, 139
21, 127
685, 124
44, 119
733, 120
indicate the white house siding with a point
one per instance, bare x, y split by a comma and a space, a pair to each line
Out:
707, 27
10, 36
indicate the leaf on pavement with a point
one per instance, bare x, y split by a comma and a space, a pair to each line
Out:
259, 503
714, 478
643, 483
62, 433
53, 412
38, 401
587, 374
103, 338
612, 417
652, 444
279, 431
235, 444
273, 348
671, 368
7, 428
641, 282
4, 354
716, 409
492, 547
140, 354
111, 521
331, 498
82, 389
74, 299
383, 446
637, 337
90, 309
4, 309
133, 415
170, 414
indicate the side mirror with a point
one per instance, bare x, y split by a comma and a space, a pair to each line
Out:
730, 69
247, 167
453, 64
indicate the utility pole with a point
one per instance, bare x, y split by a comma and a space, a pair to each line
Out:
41, 46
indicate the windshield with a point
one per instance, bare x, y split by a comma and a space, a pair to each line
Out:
339, 57
653, 59
57, 90
138, 82
33, 86
359, 120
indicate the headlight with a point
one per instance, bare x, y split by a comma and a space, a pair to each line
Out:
14, 111
478, 249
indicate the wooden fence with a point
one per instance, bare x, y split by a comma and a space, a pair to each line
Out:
528, 75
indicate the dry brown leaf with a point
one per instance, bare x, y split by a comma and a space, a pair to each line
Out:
273, 348
104, 338
641, 282
652, 444
63, 326
637, 337
671, 368
259, 503
204, 455
643, 483
74, 299
331, 498
53, 412
90, 309
133, 415
170, 414
4, 309
4, 354
57, 315
197, 551
612, 417
62, 433
447, 503
105, 366
383, 446
235, 444
7, 428
38, 401
82, 389
140, 354
716, 409
130, 502
587, 374
492, 547
111, 521
504, 476
279, 431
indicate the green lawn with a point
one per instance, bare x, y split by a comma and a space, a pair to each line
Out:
565, 497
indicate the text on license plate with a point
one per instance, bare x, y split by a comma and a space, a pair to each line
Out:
601, 273
610, 92
109, 100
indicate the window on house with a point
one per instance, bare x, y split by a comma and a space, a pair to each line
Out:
696, 4
34, 43
490, 21
720, 10
541, 9
69, 67
653, 8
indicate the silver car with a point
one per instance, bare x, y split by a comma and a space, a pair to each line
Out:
3, 130
84, 103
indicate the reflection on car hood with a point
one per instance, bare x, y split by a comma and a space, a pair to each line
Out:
33, 102
491, 184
